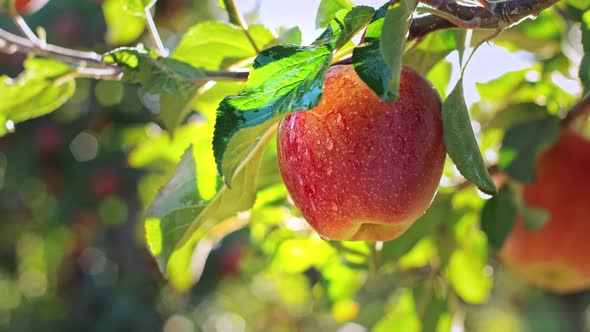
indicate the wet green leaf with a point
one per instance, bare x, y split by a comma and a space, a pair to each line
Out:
367, 58
460, 141
393, 39
378, 61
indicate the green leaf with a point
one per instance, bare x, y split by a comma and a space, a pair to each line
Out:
514, 114
123, 27
585, 65
434, 302
284, 79
498, 216
41, 89
460, 141
185, 210
164, 148
137, 7
328, 9
214, 45
344, 26
367, 59
378, 61
467, 274
433, 49
440, 76
400, 315
522, 145
393, 39
174, 81
533, 219
424, 226
291, 36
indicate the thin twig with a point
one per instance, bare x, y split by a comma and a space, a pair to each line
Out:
91, 64
153, 31
11, 43
499, 15
26, 30
471, 24
235, 15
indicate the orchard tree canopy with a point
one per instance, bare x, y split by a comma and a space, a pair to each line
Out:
213, 88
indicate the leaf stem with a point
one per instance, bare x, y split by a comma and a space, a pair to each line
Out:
153, 31
236, 18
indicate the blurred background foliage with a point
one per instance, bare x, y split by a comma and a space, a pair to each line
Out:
74, 187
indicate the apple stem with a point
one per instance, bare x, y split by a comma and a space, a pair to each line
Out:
373, 260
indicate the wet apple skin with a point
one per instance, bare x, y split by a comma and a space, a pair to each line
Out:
360, 168
556, 256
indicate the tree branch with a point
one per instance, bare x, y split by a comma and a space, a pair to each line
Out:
11, 43
499, 15
91, 63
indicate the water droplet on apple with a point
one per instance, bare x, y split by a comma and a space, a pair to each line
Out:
329, 143
329, 170
334, 207
300, 180
318, 142
325, 238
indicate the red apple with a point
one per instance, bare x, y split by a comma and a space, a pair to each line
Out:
360, 168
49, 139
26, 7
105, 183
556, 256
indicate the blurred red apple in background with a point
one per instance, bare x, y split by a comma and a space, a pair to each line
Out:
27, 7
556, 256
105, 183
360, 168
